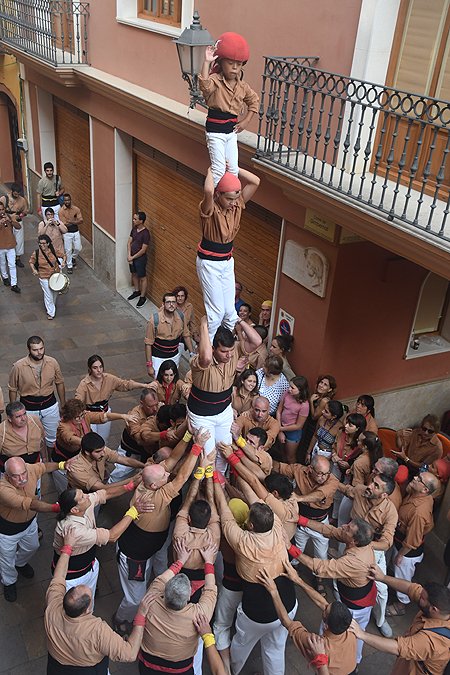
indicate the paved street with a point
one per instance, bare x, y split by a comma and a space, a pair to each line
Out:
92, 319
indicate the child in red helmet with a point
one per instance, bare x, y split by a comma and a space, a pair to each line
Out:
226, 94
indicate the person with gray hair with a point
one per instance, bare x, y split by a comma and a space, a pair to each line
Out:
21, 435
388, 467
170, 637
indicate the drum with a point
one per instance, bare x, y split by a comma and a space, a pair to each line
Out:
59, 282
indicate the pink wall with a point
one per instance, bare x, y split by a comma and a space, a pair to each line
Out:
104, 179
320, 28
35, 122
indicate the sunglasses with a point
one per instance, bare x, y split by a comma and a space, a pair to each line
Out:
420, 479
427, 430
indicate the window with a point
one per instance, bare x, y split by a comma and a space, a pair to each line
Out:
166, 11
431, 330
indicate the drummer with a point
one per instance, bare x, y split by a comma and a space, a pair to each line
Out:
43, 263
96, 389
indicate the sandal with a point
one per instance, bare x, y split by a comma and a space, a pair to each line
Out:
396, 609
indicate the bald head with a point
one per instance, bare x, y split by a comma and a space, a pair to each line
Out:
77, 601
161, 454
14, 465
154, 476
431, 481
260, 409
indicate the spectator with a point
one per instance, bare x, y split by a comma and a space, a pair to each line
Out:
137, 246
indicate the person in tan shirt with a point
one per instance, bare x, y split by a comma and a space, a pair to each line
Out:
165, 328
35, 379
44, 262
21, 436
139, 544
54, 230
257, 416
419, 446
7, 249
70, 216
415, 520
340, 642
170, 637
244, 391
424, 648
75, 637
262, 544
18, 524
16, 206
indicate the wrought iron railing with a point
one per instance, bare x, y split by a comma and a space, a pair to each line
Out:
377, 146
55, 31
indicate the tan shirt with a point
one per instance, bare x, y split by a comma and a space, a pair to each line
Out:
361, 469
135, 428
85, 473
217, 376
422, 452
90, 394
415, 517
340, 649
271, 426
195, 538
46, 269
83, 641
13, 445
382, 516
241, 402
176, 392
306, 484
419, 644
15, 502
16, 207
171, 634
55, 232
352, 568
84, 528
47, 187
221, 95
222, 225
396, 497
25, 380
7, 238
166, 330
256, 550
70, 216
287, 512
68, 433
2, 401
257, 358
159, 519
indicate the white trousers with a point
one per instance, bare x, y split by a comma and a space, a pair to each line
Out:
222, 148
17, 549
72, 246
8, 258
379, 610
20, 240
272, 637
217, 282
160, 559
227, 604
120, 471
49, 297
133, 591
219, 427
102, 429
157, 362
320, 543
198, 658
50, 419
89, 579
362, 617
406, 571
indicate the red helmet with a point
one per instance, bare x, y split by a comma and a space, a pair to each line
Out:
232, 46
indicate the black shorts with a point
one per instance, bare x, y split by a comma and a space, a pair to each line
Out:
138, 266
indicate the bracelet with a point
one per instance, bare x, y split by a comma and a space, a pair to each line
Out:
66, 549
163, 435
149, 363
239, 453
61, 466
209, 568
56, 508
209, 471
199, 473
208, 640
129, 487
241, 443
187, 436
132, 513
139, 620
319, 660
176, 567
303, 521
294, 551
196, 449
218, 477
233, 459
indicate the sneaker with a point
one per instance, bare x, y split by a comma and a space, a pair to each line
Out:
19, 263
26, 571
385, 630
7, 282
134, 295
74, 262
10, 592
69, 270
141, 302
15, 289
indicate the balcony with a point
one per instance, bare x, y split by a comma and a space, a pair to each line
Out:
379, 148
52, 32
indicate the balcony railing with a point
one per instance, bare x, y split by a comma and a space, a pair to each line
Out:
377, 146
55, 31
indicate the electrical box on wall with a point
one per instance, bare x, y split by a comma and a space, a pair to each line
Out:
22, 144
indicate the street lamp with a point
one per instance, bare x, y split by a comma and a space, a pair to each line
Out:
191, 52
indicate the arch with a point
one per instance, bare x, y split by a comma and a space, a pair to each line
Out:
10, 159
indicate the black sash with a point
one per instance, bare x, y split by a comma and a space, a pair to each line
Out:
98, 406
33, 403
140, 545
55, 668
32, 458
61, 454
220, 122
131, 447
165, 349
7, 527
78, 564
313, 513
214, 250
399, 538
209, 403
231, 579
155, 664
257, 602
359, 597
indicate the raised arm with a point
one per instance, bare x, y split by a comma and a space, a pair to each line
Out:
208, 194
251, 184
205, 352
250, 339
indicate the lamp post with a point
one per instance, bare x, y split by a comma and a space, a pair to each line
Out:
191, 52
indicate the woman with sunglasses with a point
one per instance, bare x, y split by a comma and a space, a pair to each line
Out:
419, 446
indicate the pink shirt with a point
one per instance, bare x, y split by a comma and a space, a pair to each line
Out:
291, 409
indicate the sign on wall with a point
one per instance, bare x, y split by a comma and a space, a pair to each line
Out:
307, 266
321, 226
285, 323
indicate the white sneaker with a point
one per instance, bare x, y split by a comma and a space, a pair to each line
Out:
385, 630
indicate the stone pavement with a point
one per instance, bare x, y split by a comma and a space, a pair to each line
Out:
90, 319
